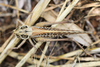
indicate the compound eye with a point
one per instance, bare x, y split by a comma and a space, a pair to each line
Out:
23, 27
24, 36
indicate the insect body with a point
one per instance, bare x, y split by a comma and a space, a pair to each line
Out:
24, 32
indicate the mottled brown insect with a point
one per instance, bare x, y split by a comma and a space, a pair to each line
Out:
25, 32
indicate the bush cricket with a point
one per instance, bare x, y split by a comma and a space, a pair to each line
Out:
24, 32
44, 33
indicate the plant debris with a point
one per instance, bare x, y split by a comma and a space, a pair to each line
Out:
82, 50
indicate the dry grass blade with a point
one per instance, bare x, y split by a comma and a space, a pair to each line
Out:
96, 4
36, 12
87, 64
20, 57
11, 44
66, 11
62, 9
5, 44
13, 7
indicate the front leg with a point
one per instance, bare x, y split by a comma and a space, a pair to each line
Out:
32, 43
19, 45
